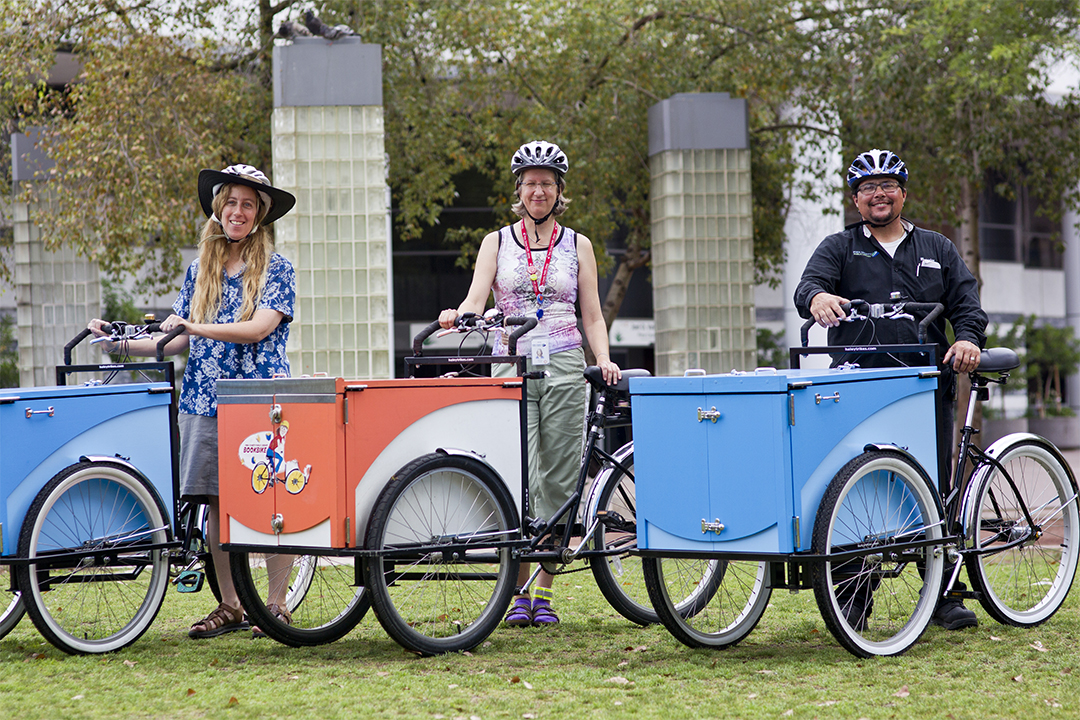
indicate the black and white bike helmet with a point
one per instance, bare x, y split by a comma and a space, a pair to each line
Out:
539, 154
876, 163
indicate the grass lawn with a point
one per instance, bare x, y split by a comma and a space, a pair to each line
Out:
594, 663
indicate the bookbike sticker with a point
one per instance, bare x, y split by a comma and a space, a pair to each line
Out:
264, 453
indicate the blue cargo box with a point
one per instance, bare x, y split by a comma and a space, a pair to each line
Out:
738, 463
45, 429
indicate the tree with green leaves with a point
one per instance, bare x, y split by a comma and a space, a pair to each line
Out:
161, 95
959, 88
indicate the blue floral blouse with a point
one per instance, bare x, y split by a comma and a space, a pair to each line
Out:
211, 360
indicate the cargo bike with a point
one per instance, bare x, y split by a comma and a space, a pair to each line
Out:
413, 493
827, 479
92, 531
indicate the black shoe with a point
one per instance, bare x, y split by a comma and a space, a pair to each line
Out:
952, 615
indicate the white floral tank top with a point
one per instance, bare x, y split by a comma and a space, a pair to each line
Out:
515, 296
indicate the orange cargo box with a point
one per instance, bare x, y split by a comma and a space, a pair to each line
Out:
302, 460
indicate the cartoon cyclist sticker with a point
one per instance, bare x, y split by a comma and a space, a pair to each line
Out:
264, 453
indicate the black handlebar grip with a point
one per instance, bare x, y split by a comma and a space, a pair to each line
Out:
175, 332
932, 310
418, 341
73, 342
526, 324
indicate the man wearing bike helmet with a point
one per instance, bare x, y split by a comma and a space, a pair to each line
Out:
886, 254
539, 268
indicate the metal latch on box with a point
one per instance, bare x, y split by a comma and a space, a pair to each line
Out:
714, 527
277, 523
710, 414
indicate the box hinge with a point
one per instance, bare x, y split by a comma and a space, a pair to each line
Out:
795, 528
791, 409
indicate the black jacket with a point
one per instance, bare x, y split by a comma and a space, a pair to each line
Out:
927, 268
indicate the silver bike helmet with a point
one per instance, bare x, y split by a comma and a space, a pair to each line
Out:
539, 154
876, 163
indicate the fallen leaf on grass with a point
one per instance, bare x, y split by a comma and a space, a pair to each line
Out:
527, 685
640, 648
995, 637
515, 679
827, 703
383, 674
452, 686
788, 713
1067, 671
624, 663
36, 656
751, 696
1052, 702
130, 663
80, 697
618, 680
466, 653
233, 702
766, 672
1039, 646
902, 692
529, 716
1018, 678
190, 692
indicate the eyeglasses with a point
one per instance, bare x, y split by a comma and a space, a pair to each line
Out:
547, 185
869, 188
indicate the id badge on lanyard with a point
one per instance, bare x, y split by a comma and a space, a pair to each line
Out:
541, 350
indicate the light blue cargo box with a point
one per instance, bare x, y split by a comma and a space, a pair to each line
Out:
45, 429
738, 463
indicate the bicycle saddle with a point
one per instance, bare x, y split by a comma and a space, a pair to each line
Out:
997, 359
596, 378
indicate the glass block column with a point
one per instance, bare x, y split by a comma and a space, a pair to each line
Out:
702, 237
56, 293
327, 134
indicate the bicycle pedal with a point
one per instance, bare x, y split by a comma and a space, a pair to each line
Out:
189, 581
614, 521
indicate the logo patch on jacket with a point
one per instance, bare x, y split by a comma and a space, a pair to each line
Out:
864, 253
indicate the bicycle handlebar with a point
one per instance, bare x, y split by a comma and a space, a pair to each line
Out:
865, 310
472, 320
115, 328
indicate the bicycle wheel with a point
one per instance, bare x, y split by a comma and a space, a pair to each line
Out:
103, 601
445, 578
323, 593
260, 478
620, 576
11, 604
707, 602
1023, 567
880, 601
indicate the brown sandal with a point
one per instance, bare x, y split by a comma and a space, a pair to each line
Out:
223, 620
280, 613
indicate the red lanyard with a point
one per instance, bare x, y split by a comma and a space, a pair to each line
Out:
539, 282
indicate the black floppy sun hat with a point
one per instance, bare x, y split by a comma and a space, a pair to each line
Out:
211, 181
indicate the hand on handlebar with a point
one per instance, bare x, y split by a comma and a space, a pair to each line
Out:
828, 309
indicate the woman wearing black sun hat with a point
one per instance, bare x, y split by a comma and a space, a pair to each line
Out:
235, 306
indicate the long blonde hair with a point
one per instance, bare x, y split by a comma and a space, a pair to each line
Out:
255, 251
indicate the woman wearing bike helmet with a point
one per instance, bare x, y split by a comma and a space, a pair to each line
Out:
235, 306
539, 268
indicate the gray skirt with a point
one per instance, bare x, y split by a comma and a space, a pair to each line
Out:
198, 456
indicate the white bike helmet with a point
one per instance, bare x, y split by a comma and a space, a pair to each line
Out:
876, 163
539, 154
278, 202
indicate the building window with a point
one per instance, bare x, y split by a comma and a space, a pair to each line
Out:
1011, 230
